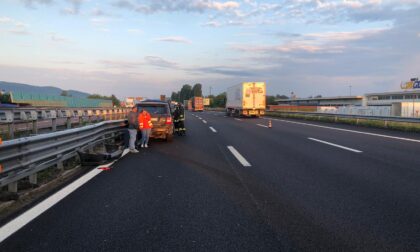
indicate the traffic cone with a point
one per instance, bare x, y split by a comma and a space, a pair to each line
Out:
269, 124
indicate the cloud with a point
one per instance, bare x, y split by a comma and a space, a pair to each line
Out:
67, 62
226, 23
134, 31
253, 13
100, 13
212, 24
375, 59
325, 42
18, 31
103, 29
350, 10
14, 27
74, 9
287, 34
118, 64
174, 39
54, 37
100, 23
32, 3
224, 71
124, 4
160, 62
148, 61
6, 20
153, 6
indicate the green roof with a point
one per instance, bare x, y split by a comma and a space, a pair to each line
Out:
42, 100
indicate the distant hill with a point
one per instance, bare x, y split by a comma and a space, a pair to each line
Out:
26, 88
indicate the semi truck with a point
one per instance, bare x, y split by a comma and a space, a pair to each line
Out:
246, 99
197, 103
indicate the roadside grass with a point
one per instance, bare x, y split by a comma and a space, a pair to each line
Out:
383, 124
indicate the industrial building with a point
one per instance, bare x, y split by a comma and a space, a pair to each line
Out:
388, 98
324, 101
400, 103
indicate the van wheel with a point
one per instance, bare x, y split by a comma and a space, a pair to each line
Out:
169, 137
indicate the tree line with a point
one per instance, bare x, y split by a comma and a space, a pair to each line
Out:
187, 91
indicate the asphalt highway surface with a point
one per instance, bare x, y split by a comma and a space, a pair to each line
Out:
234, 184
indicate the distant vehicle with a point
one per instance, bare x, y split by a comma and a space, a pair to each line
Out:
197, 103
185, 104
163, 127
190, 107
206, 101
246, 99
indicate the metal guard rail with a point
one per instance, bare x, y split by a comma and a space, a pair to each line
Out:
26, 156
381, 118
22, 114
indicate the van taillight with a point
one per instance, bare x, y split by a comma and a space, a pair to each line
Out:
168, 120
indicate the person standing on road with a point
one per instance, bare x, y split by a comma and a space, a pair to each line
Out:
133, 125
181, 122
145, 124
176, 119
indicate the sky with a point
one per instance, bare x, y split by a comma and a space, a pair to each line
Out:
152, 47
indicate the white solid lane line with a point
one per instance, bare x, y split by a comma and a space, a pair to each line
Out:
212, 129
238, 156
262, 125
335, 145
204, 121
346, 130
23, 219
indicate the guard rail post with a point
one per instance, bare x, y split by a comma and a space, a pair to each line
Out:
54, 124
11, 129
33, 179
60, 164
12, 187
34, 127
81, 114
68, 122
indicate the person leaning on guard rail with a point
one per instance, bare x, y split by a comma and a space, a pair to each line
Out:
145, 125
133, 125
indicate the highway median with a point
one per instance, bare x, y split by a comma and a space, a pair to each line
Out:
365, 122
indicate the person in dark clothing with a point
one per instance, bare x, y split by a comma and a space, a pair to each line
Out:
181, 121
133, 125
176, 119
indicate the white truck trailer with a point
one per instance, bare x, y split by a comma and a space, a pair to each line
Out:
246, 99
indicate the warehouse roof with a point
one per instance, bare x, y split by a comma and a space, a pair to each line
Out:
415, 91
357, 97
